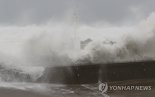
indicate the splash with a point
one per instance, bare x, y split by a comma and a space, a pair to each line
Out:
53, 44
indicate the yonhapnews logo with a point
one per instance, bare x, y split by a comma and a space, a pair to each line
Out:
104, 87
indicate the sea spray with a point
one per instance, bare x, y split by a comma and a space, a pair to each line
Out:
52, 44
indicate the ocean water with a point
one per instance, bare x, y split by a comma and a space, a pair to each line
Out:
59, 90
54, 90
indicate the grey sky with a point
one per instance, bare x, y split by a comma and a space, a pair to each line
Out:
89, 11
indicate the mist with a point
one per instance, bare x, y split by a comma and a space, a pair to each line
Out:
58, 43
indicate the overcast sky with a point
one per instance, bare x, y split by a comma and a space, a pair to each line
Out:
89, 11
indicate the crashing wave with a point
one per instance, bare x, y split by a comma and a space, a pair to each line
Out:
14, 74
